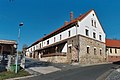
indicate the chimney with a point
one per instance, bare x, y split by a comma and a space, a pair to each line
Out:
71, 16
66, 22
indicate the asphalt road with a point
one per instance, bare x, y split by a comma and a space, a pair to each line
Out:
81, 73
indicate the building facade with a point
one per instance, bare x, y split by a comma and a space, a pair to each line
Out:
81, 40
113, 50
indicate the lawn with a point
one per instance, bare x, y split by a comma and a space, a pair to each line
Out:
7, 75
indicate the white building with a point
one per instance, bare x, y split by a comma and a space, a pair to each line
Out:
80, 40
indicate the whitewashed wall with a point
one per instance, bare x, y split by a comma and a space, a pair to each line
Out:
64, 35
83, 24
113, 52
86, 24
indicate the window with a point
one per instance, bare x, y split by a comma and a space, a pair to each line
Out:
100, 37
40, 45
70, 49
94, 51
88, 50
54, 39
110, 50
47, 42
87, 32
92, 22
34, 48
68, 33
94, 35
60, 37
115, 50
100, 51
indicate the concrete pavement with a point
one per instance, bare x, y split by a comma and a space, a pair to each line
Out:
36, 67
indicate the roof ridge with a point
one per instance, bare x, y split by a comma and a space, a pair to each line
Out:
80, 17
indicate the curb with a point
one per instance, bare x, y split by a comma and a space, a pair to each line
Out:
107, 74
21, 77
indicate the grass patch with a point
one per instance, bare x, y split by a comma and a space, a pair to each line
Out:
7, 74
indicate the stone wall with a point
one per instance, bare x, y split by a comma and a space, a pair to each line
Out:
91, 57
54, 59
72, 55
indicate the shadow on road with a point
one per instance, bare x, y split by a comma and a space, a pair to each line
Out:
31, 63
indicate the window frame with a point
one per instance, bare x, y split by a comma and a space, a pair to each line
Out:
60, 37
100, 37
47, 42
92, 22
110, 50
88, 50
115, 50
87, 32
95, 51
69, 33
100, 51
94, 35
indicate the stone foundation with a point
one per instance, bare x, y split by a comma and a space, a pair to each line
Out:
89, 59
55, 59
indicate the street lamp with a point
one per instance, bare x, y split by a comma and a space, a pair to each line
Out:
21, 24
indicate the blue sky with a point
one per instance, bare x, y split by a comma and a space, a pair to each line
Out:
44, 16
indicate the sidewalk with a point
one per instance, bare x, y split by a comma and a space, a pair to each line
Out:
115, 75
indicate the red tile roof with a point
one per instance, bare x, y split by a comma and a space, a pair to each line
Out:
63, 27
113, 43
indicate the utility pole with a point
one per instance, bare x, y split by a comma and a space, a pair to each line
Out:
21, 24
